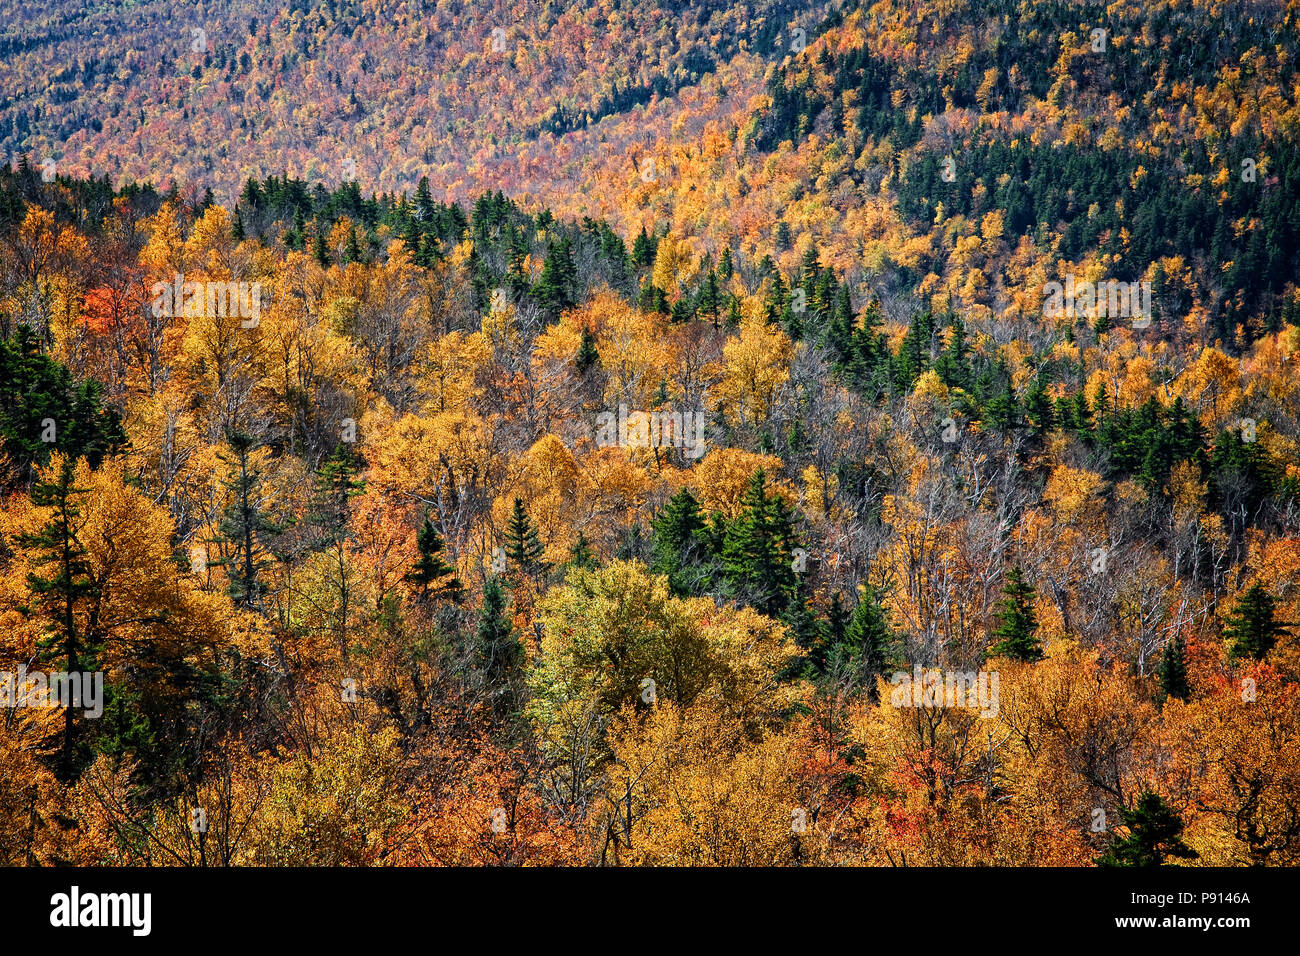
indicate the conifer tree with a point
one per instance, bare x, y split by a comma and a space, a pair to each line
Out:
523, 548
757, 549
60, 593
245, 524
582, 555
498, 652
868, 647
435, 578
1173, 671
681, 549
587, 357
1252, 626
1155, 832
1016, 622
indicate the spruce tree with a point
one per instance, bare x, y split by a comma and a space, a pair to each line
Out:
587, 357
431, 574
61, 593
1173, 671
869, 641
523, 548
644, 247
499, 655
245, 524
1251, 625
1016, 622
582, 556
557, 288
336, 485
758, 547
681, 549
1155, 832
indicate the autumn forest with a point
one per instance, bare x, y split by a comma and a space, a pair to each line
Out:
669, 433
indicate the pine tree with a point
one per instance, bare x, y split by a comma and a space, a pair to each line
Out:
336, 485
424, 207
522, 545
352, 250
245, 524
725, 266
582, 556
757, 549
319, 249
834, 633
556, 290
869, 639
644, 247
709, 300
1155, 832
1173, 671
1252, 626
1016, 621
587, 357
60, 593
499, 655
680, 547
435, 578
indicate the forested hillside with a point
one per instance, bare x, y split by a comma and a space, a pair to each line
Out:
619, 448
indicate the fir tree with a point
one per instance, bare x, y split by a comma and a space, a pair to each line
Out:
245, 524
681, 549
869, 639
498, 652
643, 248
1016, 622
1252, 626
1173, 671
60, 594
523, 548
582, 556
336, 485
1155, 832
757, 549
587, 357
556, 290
431, 574
726, 268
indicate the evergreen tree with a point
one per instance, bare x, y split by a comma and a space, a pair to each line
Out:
498, 652
582, 556
61, 593
522, 545
725, 266
681, 548
644, 247
245, 524
557, 288
1251, 625
1155, 832
319, 249
757, 549
336, 485
587, 357
868, 647
39, 401
1016, 622
1173, 671
435, 578
424, 208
